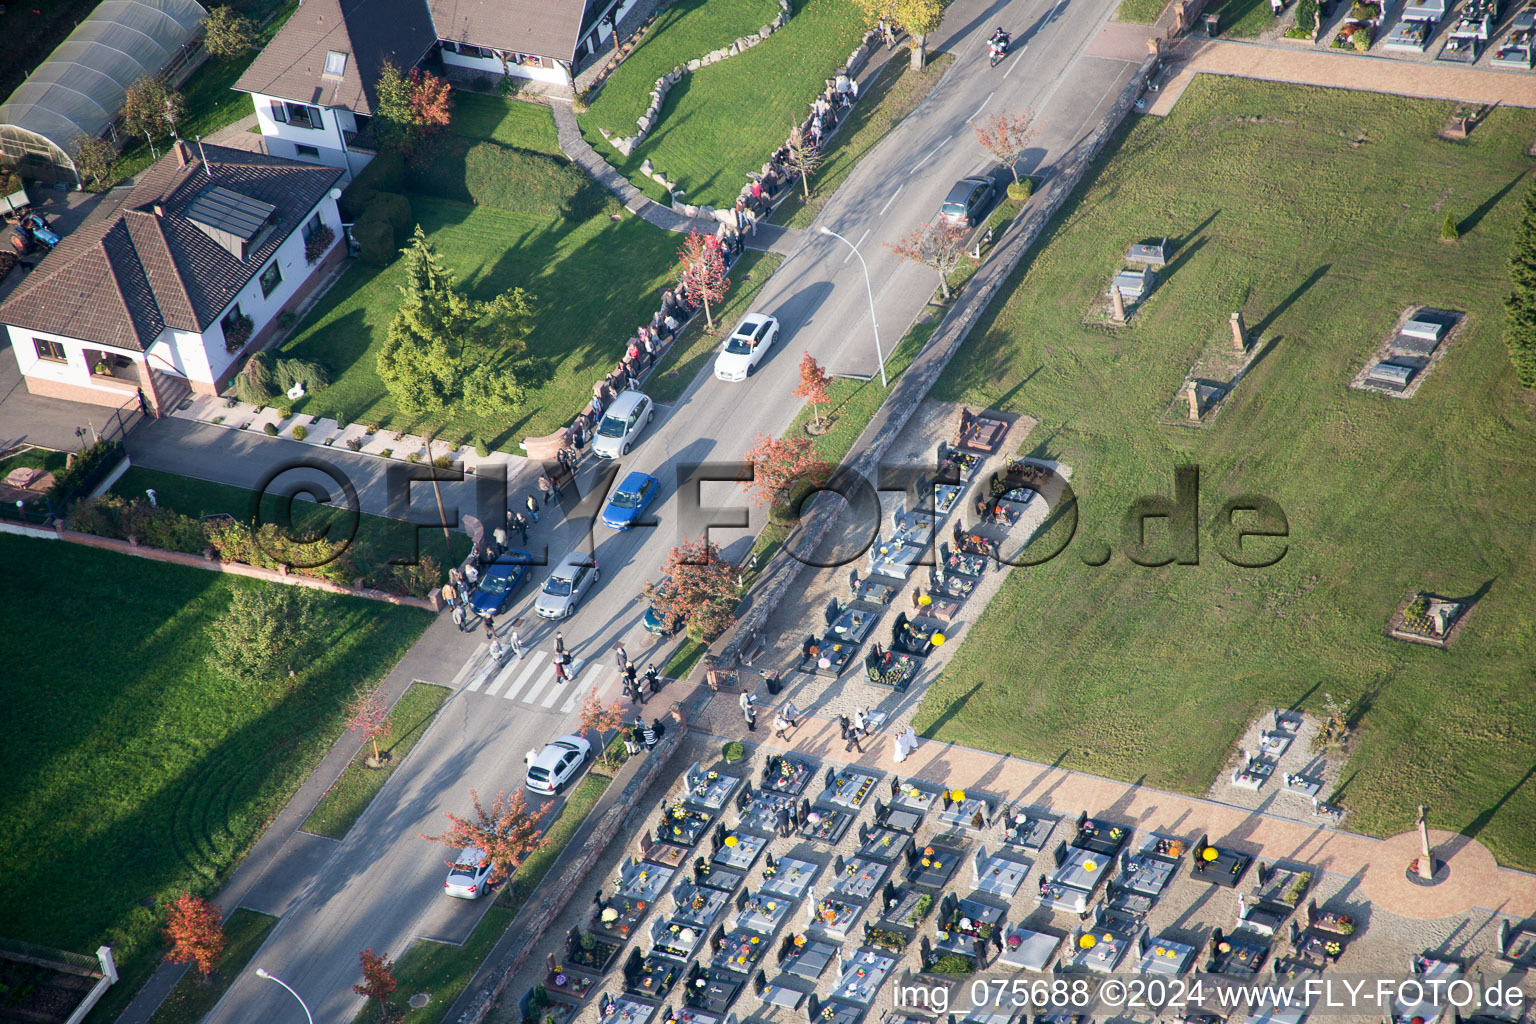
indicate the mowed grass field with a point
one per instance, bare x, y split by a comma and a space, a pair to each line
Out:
722, 122
595, 281
134, 770
1317, 214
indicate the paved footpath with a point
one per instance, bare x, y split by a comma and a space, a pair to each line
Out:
1342, 71
1476, 881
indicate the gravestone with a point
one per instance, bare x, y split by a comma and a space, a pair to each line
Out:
1115, 297
1390, 375
1192, 390
1239, 336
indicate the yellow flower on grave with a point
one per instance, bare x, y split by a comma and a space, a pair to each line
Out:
1209, 853
958, 796
731, 840
925, 600
1088, 942
1090, 865
927, 862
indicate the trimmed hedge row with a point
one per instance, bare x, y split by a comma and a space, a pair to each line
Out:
89, 468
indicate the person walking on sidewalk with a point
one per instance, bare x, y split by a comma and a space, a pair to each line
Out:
516, 643
449, 597
749, 711
533, 507
560, 675
490, 626
559, 644
630, 673
620, 656
521, 526
500, 538
547, 488
458, 617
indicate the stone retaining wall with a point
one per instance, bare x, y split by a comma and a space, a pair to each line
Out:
574, 865
915, 384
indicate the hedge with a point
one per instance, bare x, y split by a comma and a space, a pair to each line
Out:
90, 466
504, 177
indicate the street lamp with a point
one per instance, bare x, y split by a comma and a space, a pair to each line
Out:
261, 972
870, 290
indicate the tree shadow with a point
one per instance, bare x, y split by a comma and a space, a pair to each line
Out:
1475, 218
1486, 815
950, 713
1286, 303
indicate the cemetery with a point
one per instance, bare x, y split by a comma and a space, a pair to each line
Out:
1518, 47
1470, 31
1425, 618
1402, 362
1130, 286
1224, 361
1414, 29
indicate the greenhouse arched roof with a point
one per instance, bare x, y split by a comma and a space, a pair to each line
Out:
79, 89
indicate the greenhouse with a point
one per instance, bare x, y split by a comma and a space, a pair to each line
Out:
79, 89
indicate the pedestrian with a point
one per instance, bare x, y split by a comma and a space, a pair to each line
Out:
498, 652
648, 736
458, 616
560, 675
448, 595
858, 722
559, 644
779, 727
517, 644
630, 746
532, 505
643, 685
143, 402
751, 716
629, 673
471, 573
917, 597
521, 526
463, 593
781, 819
501, 540
629, 691
544, 486
490, 627
652, 678
620, 656
530, 757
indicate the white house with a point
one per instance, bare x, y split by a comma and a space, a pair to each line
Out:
544, 40
167, 293
313, 85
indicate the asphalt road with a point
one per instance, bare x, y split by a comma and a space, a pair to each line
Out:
381, 889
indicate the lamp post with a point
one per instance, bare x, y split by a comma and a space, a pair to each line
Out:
261, 972
870, 290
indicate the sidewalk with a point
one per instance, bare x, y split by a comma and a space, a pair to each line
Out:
1341, 71
280, 865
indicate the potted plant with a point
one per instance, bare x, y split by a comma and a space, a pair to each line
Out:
237, 332
733, 751
318, 244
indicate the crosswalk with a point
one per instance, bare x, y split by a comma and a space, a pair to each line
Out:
530, 681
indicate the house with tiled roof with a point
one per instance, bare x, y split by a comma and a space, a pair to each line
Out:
173, 287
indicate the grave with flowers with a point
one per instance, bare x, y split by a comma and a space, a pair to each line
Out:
761, 812
697, 906
789, 877
616, 918
1241, 952
1164, 955
932, 866
1028, 828
678, 939
787, 775
642, 880
849, 787
826, 824
1218, 865
833, 918
967, 809
857, 878
880, 843
563, 981
650, 976
589, 952
1027, 949
740, 950
709, 790
682, 825
762, 912
739, 849
1103, 945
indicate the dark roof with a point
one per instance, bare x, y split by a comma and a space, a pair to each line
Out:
123, 279
548, 28
368, 32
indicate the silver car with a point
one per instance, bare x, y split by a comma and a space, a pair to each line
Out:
572, 577
556, 764
467, 877
621, 425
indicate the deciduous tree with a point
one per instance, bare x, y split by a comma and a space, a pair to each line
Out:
918, 18
804, 157
378, 978
1520, 306
410, 107
268, 632
779, 464
1007, 136
195, 930
600, 719
702, 591
940, 246
151, 106
227, 33
506, 832
431, 101
94, 159
368, 716
813, 385
701, 266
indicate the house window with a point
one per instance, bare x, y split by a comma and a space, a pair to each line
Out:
280, 111
313, 152
297, 114
271, 278
232, 319
335, 64
50, 350
312, 227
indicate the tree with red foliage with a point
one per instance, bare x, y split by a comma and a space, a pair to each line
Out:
195, 929
813, 385
368, 716
506, 832
410, 107
1007, 136
940, 246
780, 463
431, 100
600, 718
378, 978
701, 267
701, 590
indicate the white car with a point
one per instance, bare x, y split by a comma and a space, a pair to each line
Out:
466, 879
567, 584
554, 766
747, 347
621, 425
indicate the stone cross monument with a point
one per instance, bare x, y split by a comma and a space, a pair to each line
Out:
1239, 340
1426, 857
1119, 301
1192, 390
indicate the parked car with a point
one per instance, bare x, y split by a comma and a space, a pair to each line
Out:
968, 199
656, 621
572, 577
498, 581
466, 879
621, 425
627, 504
746, 348
553, 767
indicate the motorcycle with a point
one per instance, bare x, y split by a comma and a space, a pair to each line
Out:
998, 48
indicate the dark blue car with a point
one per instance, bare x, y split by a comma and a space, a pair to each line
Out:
498, 581
629, 502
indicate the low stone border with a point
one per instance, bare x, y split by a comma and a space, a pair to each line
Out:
1396, 631
1384, 351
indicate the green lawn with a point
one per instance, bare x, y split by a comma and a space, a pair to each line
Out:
695, 349
1243, 19
376, 542
1277, 208
1141, 12
193, 996
346, 801
883, 103
725, 120
142, 761
682, 32
510, 122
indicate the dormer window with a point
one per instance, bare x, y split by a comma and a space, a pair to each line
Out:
335, 64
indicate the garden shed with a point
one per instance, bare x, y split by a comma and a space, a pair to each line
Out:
79, 89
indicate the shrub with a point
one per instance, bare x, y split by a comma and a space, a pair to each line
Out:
300, 432
1361, 39
387, 452
384, 173
375, 241
1450, 230
288, 372
266, 633
951, 963
506, 178
90, 466
395, 209
417, 580
481, 449
355, 444
270, 429
733, 751
284, 412
255, 383
443, 462
920, 909
413, 457
1021, 190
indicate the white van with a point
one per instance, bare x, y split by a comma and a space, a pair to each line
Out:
621, 425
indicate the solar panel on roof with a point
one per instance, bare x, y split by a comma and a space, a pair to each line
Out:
225, 210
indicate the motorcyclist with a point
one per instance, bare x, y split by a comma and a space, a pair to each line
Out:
998, 44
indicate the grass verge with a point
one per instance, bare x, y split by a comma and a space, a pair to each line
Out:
1140, 12
695, 349
345, 801
893, 94
1317, 213
684, 658
510, 122
193, 997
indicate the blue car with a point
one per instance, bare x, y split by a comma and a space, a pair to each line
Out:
629, 502
498, 581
